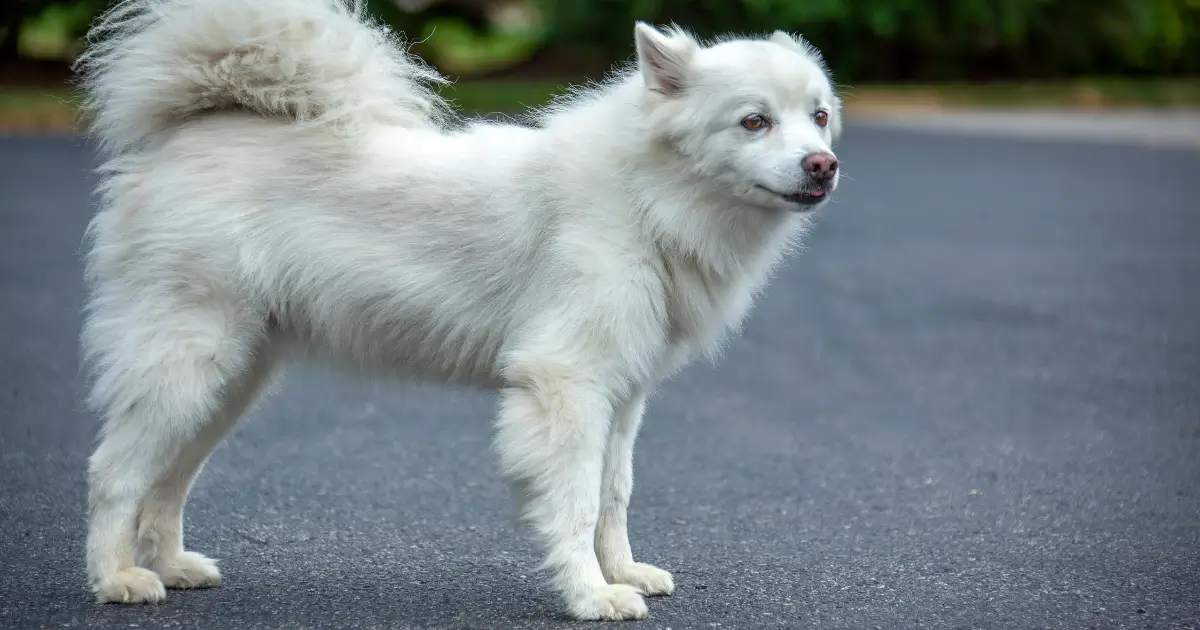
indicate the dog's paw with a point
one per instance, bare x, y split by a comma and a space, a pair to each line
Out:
611, 602
647, 578
134, 585
188, 570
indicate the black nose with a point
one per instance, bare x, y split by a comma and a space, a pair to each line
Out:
820, 166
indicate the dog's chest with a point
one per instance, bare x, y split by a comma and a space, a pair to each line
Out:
703, 307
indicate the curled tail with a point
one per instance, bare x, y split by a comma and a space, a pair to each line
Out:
153, 63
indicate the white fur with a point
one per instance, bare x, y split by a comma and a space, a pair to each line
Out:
277, 179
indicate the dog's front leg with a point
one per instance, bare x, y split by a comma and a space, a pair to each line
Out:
612, 534
551, 439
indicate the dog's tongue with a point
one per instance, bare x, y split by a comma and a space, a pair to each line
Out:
816, 193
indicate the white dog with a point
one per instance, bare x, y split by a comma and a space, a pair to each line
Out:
279, 179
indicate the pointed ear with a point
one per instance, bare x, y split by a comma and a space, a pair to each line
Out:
783, 39
664, 58
799, 44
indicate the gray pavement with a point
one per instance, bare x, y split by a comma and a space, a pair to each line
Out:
973, 401
1150, 128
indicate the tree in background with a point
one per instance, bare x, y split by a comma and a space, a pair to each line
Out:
921, 39
467, 37
864, 40
45, 27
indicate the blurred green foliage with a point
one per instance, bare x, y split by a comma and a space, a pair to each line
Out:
462, 44
864, 40
44, 27
922, 39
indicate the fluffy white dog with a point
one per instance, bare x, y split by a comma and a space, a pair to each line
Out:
279, 179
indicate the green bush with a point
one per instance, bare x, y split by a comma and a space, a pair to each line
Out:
864, 40
922, 39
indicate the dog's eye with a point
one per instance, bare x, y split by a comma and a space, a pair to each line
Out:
756, 122
821, 117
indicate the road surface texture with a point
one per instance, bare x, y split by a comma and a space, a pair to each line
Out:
1176, 129
973, 401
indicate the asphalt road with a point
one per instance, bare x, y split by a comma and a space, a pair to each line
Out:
972, 402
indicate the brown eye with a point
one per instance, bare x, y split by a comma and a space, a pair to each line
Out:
755, 122
821, 117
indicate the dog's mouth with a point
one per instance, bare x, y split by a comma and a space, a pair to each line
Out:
805, 197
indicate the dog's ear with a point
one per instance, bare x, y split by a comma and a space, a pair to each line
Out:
783, 39
799, 44
664, 58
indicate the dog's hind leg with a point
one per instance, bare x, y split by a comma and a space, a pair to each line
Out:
612, 534
172, 376
159, 541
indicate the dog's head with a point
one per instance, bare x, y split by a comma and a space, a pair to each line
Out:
756, 118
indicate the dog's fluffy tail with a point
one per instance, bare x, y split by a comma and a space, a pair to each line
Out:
153, 63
